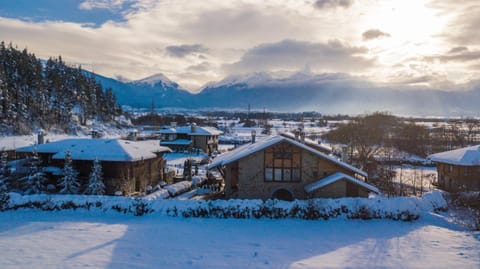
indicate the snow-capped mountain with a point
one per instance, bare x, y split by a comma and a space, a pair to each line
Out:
328, 93
140, 93
156, 79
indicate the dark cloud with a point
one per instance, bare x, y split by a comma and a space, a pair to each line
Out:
184, 50
458, 50
321, 4
457, 54
411, 80
463, 28
201, 67
291, 54
373, 34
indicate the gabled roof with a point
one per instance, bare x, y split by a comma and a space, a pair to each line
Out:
115, 150
199, 130
308, 142
248, 149
469, 156
336, 177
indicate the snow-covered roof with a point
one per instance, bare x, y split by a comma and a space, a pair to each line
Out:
199, 130
248, 149
309, 141
469, 156
336, 177
177, 142
101, 149
13, 142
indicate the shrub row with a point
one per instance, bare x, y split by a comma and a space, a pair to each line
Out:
404, 209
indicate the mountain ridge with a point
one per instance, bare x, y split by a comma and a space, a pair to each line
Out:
328, 93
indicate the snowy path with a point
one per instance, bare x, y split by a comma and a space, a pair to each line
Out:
34, 239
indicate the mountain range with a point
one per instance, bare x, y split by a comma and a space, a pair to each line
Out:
330, 93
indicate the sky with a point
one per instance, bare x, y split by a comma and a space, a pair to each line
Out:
428, 43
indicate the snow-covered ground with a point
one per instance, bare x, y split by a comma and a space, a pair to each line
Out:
80, 239
421, 178
176, 160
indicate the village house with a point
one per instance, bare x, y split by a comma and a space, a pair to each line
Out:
128, 166
283, 168
458, 170
190, 137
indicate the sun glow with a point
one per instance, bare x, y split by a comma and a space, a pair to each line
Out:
412, 26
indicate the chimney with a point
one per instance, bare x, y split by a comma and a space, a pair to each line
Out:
41, 137
193, 127
302, 136
254, 134
133, 135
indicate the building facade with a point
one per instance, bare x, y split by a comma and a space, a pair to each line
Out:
279, 167
190, 137
128, 166
458, 170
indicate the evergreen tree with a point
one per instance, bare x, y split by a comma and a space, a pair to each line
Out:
4, 172
95, 182
35, 181
69, 183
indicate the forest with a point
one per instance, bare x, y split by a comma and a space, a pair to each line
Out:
35, 93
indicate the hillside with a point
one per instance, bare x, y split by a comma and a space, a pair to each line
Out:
48, 94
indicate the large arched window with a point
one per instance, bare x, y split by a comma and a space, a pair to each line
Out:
283, 163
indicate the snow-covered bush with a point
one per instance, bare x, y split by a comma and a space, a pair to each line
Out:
404, 208
140, 207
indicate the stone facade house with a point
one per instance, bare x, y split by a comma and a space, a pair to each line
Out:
458, 170
190, 137
128, 166
283, 168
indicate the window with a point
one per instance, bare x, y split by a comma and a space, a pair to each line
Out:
282, 163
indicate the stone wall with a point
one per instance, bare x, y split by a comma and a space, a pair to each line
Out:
251, 184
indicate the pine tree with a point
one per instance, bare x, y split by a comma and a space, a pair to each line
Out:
35, 181
4, 172
4, 197
95, 182
69, 183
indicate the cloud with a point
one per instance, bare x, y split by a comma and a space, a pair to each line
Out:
294, 55
458, 50
201, 67
457, 54
321, 4
113, 5
373, 34
463, 28
184, 50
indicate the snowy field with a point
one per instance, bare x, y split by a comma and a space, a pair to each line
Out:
69, 239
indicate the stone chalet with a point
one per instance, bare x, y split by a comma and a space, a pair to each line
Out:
458, 170
283, 168
128, 166
188, 137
